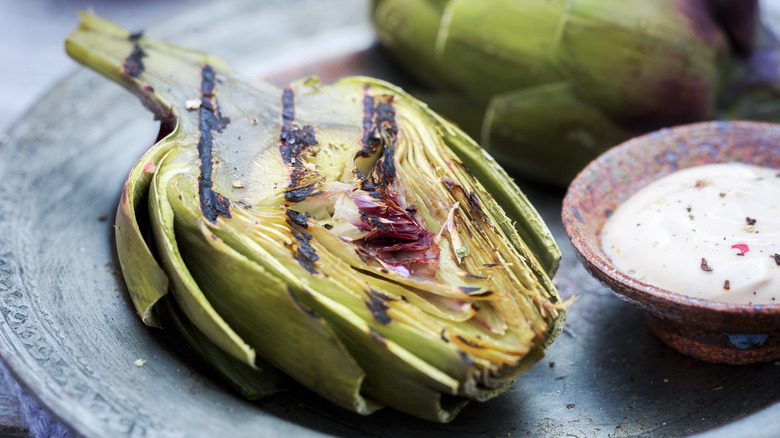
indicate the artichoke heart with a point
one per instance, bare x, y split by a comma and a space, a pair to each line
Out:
342, 234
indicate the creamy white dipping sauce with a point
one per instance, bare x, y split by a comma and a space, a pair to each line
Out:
710, 231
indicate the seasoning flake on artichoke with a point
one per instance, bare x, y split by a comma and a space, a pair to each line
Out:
343, 235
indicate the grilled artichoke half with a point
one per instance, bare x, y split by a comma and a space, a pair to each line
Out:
345, 234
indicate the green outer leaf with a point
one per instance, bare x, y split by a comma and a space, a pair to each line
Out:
643, 62
413, 27
185, 289
479, 40
536, 118
259, 307
525, 364
252, 383
397, 376
146, 281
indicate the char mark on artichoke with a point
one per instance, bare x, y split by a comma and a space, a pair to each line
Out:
212, 204
376, 304
303, 251
133, 66
295, 143
298, 218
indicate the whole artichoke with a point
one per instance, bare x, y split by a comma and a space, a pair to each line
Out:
342, 234
547, 85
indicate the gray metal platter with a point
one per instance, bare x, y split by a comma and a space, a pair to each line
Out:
71, 337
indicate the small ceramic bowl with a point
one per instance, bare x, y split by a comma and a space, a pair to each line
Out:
704, 329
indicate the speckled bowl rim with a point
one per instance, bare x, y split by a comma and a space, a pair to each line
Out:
649, 297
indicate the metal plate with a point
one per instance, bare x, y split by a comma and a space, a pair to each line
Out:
68, 331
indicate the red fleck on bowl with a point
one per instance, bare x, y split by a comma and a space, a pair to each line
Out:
707, 330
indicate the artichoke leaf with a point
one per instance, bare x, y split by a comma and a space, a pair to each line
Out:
640, 65
671, 71
413, 27
146, 281
252, 382
186, 290
344, 234
206, 266
536, 117
471, 50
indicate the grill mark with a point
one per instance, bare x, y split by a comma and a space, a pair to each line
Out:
379, 130
295, 227
371, 139
380, 133
133, 66
298, 218
369, 186
368, 255
362, 259
378, 308
298, 194
304, 253
385, 120
295, 141
380, 295
475, 291
477, 206
375, 222
486, 293
469, 343
210, 120
452, 185
288, 109
468, 171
